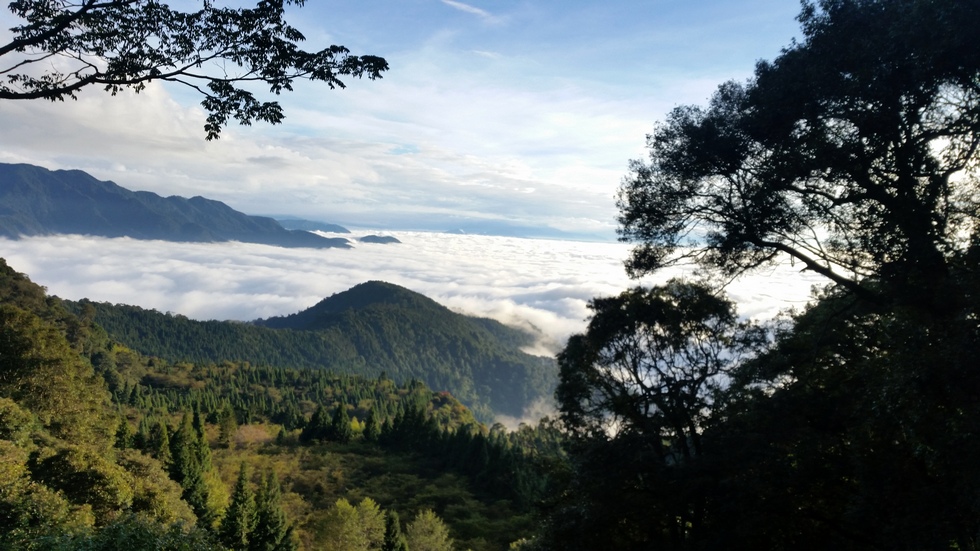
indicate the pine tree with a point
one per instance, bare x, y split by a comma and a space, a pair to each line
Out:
340, 429
186, 469
227, 426
158, 444
239, 521
272, 532
394, 539
372, 428
317, 428
124, 434
201, 446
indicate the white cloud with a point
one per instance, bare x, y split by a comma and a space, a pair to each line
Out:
484, 14
545, 285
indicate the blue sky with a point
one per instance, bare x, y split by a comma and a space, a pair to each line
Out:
495, 114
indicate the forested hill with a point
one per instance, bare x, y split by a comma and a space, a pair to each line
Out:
37, 201
102, 448
371, 329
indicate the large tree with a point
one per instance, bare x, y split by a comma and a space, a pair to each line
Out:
853, 153
59, 47
636, 392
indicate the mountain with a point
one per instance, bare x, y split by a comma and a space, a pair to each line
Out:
102, 447
37, 201
380, 239
310, 225
372, 329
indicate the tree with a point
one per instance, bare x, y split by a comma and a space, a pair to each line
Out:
636, 392
272, 532
350, 528
239, 522
394, 539
372, 427
650, 363
853, 153
58, 48
227, 425
340, 429
317, 428
40, 371
428, 533
187, 470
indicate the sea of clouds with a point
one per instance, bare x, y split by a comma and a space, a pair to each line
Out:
544, 285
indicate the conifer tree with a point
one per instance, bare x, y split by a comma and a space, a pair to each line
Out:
239, 521
201, 446
372, 428
158, 444
272, 532
317, 428
394, 539
124, 434
340, 429
186, 469
227, 426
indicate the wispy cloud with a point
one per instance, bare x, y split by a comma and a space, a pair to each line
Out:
470, 9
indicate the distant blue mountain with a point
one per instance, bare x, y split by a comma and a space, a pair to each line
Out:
381, 239
310, 225
38, 201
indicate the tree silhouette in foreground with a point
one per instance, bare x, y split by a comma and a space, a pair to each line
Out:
58, 48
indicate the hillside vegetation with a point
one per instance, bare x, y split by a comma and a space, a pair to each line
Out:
101, 447
372, 329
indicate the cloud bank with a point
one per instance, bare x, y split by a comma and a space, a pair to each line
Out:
543, 285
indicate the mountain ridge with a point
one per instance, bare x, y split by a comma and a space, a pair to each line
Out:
38, 201
372, 329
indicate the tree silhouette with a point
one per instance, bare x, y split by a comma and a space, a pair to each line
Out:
58, 48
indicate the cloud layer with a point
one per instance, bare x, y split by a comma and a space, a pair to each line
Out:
544, 285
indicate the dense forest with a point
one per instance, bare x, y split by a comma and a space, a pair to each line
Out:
103, 447
372, 329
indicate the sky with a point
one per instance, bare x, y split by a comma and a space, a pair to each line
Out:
508, 117
515, 117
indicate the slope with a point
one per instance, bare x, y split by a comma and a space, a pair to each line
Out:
37, 201
371, 329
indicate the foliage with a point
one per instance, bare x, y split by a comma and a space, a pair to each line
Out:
637, 392
272, 531
56, 49
239, 520
855, 153
394, 539
430, 453
371, 330
852, 153
427, 532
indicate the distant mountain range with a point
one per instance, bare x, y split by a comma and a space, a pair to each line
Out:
370, 329
38, 201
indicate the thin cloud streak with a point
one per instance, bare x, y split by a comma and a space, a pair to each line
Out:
469, 9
